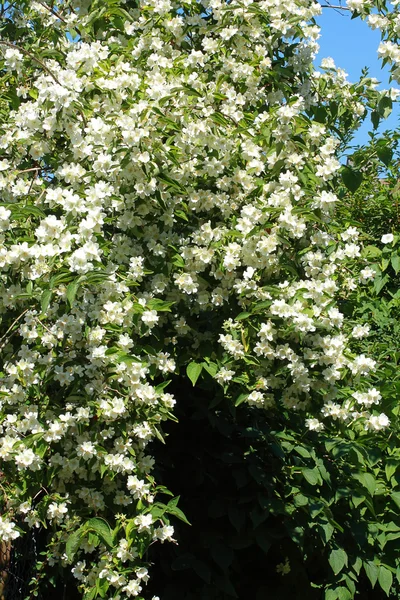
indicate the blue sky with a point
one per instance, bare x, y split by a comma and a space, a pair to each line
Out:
353, 45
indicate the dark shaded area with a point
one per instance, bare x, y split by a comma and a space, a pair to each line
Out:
230, 473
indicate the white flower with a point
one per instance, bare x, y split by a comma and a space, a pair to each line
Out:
360, 331
7, 530
164, 533
143, 522
377, 423
387, 238
150, 318
56, 512
133, 588
314, 425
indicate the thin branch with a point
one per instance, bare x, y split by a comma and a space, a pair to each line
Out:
53, 12
28, 170
335, 7
10, 45
4, 338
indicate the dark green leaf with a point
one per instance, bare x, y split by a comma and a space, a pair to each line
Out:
351, 179
385, 154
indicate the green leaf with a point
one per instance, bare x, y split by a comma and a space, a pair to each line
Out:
371, 252
343, 593
385, 106
395, 496
385, 154
375, 118
100, 528
328, 530
351, 179
395, 260
193, 371
45, 300
211, 368
73, 542
262, 540
391, 468
371, 571
367, 480
91, 594
312, 476
172, 509
380, 282
337, 560
240, 399
159, 305
385, 579
242, 316
225, 585
72, 290
222, 555
202, 570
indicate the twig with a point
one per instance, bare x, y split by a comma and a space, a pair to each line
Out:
10, 45
335, 7
53, 12
27, 170
4, 338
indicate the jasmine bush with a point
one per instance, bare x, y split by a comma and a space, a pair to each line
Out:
169, 174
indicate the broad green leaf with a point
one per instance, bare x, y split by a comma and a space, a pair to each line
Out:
367, 480
337, 560
385, 579
193, 371
395, 260
385, 154
222, 555
343, 593
176, 512
371, 570
312, 476
385, 106
395, 496
375, 118
371, 252
328, 530
211, 368
391, 468
100, 528
380, 282
352, 179
202, 570
73, 542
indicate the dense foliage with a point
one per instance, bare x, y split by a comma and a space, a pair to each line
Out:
179, 242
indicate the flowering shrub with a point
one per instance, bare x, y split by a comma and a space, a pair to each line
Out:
168, 176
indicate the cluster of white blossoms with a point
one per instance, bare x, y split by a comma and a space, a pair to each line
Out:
158, 177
